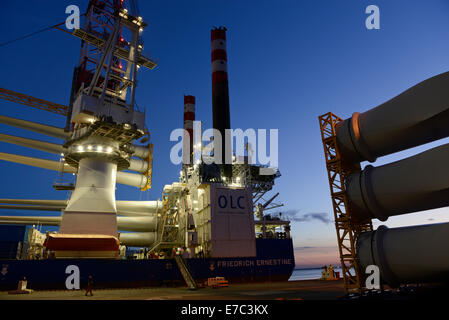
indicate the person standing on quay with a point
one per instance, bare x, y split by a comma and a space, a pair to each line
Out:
90, 283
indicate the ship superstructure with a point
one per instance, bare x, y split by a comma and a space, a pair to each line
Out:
214, 209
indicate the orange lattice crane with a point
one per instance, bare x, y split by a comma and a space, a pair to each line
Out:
33, 102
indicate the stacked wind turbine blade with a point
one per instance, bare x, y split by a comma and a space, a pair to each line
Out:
136, 224
36, 127
421, 182
131, 179
124, 208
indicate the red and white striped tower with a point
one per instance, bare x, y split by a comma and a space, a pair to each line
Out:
187, 142
220, 94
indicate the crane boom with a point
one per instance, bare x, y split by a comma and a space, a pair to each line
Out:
33, 102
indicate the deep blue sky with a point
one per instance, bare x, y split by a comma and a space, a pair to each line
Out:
288, 63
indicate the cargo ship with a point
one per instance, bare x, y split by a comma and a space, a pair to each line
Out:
189, 238
214, 221
274, 262
258, 250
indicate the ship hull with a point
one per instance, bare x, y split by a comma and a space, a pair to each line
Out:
274, 262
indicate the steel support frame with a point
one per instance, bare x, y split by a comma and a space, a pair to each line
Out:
347, 230
168, 229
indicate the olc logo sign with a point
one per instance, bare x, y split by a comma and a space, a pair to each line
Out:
223, 202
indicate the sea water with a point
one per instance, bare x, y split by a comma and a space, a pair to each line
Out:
309, 274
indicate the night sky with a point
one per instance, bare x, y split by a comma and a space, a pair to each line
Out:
288, 63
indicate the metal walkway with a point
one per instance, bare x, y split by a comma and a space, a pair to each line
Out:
186, 273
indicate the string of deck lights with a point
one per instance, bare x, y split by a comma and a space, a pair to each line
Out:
98, 148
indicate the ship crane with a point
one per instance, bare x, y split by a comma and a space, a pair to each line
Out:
268, 225
260, 208
33, 102
102, 122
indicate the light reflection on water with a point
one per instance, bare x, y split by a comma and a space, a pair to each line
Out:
308, 274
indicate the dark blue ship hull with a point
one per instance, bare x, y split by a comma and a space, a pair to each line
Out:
274, 262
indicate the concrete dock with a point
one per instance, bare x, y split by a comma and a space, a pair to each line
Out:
291, 290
